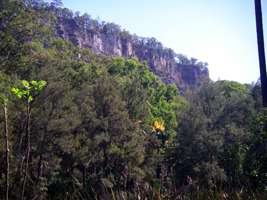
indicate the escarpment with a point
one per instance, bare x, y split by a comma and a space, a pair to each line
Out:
108, 39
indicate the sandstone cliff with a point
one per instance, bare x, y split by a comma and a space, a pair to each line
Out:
109, 39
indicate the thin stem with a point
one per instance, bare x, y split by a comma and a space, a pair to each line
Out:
28, 150
6, 146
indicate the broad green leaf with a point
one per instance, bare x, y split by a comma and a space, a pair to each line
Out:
17, 92
34, 83
14, 90
30, 99
41, 84
26, 84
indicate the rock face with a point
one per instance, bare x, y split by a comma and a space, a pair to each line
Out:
109, 39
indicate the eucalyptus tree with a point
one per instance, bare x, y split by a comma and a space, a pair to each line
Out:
4, 97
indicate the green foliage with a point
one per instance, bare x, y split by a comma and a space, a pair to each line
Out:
213, 136
256, 158
28, 89
160, 101
93, 123
4, 88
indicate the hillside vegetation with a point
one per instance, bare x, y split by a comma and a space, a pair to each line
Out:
80, 125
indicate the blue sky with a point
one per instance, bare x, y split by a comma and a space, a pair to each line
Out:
220, 32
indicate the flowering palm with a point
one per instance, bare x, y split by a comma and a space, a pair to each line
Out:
158, 126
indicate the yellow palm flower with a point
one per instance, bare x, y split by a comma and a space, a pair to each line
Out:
158, 126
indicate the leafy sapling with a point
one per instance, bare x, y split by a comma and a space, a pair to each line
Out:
27, 93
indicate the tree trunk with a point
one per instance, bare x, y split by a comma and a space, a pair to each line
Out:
40, 167
84, 176
40, 163
28, 137
6, 149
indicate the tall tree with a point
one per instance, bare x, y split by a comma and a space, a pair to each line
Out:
3, 101
4, 97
